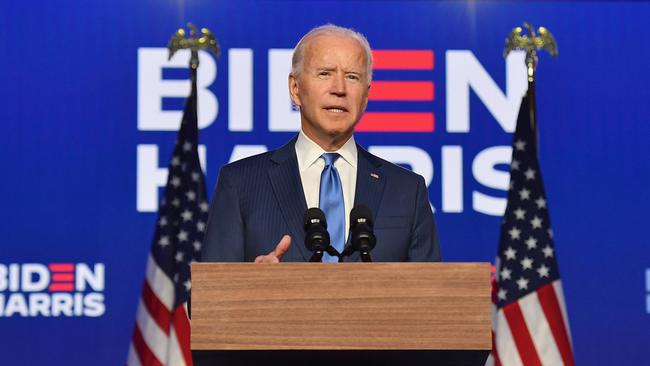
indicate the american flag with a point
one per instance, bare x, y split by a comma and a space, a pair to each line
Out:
529, 320
162, 331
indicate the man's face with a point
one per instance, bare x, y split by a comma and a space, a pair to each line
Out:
332, 89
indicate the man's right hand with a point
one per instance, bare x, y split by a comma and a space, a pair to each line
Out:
276, 254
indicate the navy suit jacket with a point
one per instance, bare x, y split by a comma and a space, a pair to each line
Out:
259, 199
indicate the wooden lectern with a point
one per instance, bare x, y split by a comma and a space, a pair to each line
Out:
347, 313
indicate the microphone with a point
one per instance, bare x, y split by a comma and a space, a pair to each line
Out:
317, 239
362, 237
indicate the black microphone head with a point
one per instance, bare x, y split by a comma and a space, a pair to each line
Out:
313, 216
317, 239
361, 214
362, 238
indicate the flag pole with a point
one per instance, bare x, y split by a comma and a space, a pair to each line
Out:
542, 39
529, 323
178, 235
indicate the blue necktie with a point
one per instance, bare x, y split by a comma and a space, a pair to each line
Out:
331, 202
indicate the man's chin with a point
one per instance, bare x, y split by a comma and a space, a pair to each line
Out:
338, 127
339, 134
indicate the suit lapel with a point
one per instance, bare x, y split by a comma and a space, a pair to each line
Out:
370, 181
287, 187
370, 185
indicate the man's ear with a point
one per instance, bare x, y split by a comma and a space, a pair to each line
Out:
293, 90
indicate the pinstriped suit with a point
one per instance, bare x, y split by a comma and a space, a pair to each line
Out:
259, 199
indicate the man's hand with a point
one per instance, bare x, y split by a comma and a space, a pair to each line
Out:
276, 254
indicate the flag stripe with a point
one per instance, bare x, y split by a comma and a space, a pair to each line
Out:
144, 353
182, 328
540, 329
551, 308
132, 359
505, 343
175, 354
521, 335
158, 311
402, 59
402, 91
161, 285
559, 293
495, 355
154, 337
396, 122
490, 360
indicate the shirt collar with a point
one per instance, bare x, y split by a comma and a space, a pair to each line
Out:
308, 152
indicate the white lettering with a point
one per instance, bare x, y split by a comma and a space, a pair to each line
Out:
61, 304
14, 277
78, 304
282, 115
94, 278
464, 72
452, 179
39, 304
240, 89
4, 277
483, 169
150, 176
16, 304
94, 305
152, 88
31, 284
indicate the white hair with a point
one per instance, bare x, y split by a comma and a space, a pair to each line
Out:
329, 30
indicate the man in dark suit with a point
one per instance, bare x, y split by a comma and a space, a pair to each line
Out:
259, 203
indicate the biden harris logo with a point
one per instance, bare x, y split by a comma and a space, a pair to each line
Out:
403, 98
52, 290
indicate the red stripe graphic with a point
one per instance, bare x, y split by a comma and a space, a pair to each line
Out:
61, 287
402, 90
63, 277
61, 267
182, 328
521, 335
144, 353
551, 307
396, 122
156, 309
402, 60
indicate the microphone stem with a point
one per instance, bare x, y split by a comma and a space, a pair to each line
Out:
317, 256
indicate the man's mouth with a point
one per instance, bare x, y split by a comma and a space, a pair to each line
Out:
336, 109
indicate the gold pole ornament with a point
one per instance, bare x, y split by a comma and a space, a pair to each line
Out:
530, 43
194, 43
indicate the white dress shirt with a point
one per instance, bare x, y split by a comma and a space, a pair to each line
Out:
311, 164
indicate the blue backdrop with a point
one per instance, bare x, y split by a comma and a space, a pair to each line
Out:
75, 135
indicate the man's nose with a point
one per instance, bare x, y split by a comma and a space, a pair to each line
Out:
338, 85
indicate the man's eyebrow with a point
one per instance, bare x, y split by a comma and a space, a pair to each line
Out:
333, 68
